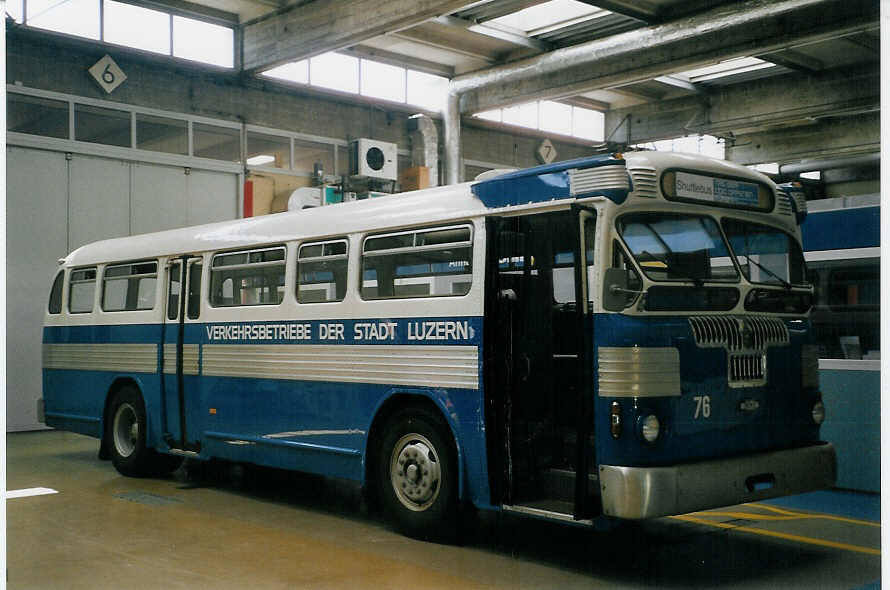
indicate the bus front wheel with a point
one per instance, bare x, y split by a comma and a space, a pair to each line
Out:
417, 478
125, 437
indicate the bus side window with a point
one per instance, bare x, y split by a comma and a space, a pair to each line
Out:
173, 290
252, 277
846, 314
55, 295
130, 287
621, 260
321, 271
564, 262
434, 262
82, 290
193, 303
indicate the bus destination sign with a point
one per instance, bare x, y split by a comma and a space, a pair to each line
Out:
717, 190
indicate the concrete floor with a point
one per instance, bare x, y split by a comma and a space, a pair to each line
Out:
235, 528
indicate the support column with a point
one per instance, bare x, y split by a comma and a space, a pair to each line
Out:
453, 155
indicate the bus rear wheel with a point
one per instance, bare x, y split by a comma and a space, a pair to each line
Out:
417, 476
125, 437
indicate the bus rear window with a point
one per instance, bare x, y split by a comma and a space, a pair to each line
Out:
130, 287
423, 263
82, 290
250, 277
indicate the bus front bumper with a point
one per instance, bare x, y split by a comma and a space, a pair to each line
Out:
647, 492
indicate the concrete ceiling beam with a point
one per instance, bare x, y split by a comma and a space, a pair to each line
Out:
638, 9
750, 106
824, 139
400, 59
728, 31
794, 60
313, 28
741, 108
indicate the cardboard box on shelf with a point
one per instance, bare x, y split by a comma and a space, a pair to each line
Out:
414, 178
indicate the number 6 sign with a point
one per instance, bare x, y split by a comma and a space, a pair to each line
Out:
107, 74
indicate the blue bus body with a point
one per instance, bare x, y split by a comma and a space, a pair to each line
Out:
532, 391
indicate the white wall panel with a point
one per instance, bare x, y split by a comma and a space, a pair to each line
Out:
159, 195
212, 196
99, 205
54, 206
37, 236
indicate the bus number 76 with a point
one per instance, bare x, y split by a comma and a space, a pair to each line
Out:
702, 406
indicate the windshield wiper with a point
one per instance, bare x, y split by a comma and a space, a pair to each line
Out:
697, 281
784, 283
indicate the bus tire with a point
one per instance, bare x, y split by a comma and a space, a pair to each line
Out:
417, 475
125, 431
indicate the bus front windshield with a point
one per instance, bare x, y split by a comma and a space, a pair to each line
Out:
767, 255
678, 247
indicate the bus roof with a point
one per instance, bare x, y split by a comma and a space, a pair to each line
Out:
561, 180
540, 184
405, 209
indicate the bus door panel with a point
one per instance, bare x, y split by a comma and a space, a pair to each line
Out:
536, 342
181, 352
583, 258
169, 338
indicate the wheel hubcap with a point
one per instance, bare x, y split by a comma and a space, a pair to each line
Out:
414, 472
125, 429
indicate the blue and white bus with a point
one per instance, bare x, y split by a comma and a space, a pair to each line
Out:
620, 336
841, 241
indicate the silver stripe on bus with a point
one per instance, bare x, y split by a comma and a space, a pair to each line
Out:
634, 371
189, 359
432, 366
114, 357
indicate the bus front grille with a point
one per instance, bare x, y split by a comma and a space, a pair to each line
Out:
747, 369
737, 333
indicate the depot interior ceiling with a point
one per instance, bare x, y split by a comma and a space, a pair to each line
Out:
692, 76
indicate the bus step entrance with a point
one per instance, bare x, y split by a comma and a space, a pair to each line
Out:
559, 484
553, 496
549, 510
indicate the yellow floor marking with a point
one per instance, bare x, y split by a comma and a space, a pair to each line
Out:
816, 515
786, 536
753, 516
786, 516
775, 509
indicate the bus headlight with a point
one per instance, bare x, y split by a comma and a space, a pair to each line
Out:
650, 428
819, 413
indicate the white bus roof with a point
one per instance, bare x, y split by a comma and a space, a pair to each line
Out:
405, 209
400, 210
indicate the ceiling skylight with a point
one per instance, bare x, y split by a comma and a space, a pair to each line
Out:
547, 15
730, 67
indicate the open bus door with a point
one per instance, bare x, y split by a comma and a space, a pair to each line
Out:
180, 357
539, 350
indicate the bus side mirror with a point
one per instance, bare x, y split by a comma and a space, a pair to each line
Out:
615, 289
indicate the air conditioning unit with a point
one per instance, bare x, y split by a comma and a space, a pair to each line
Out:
370, 158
